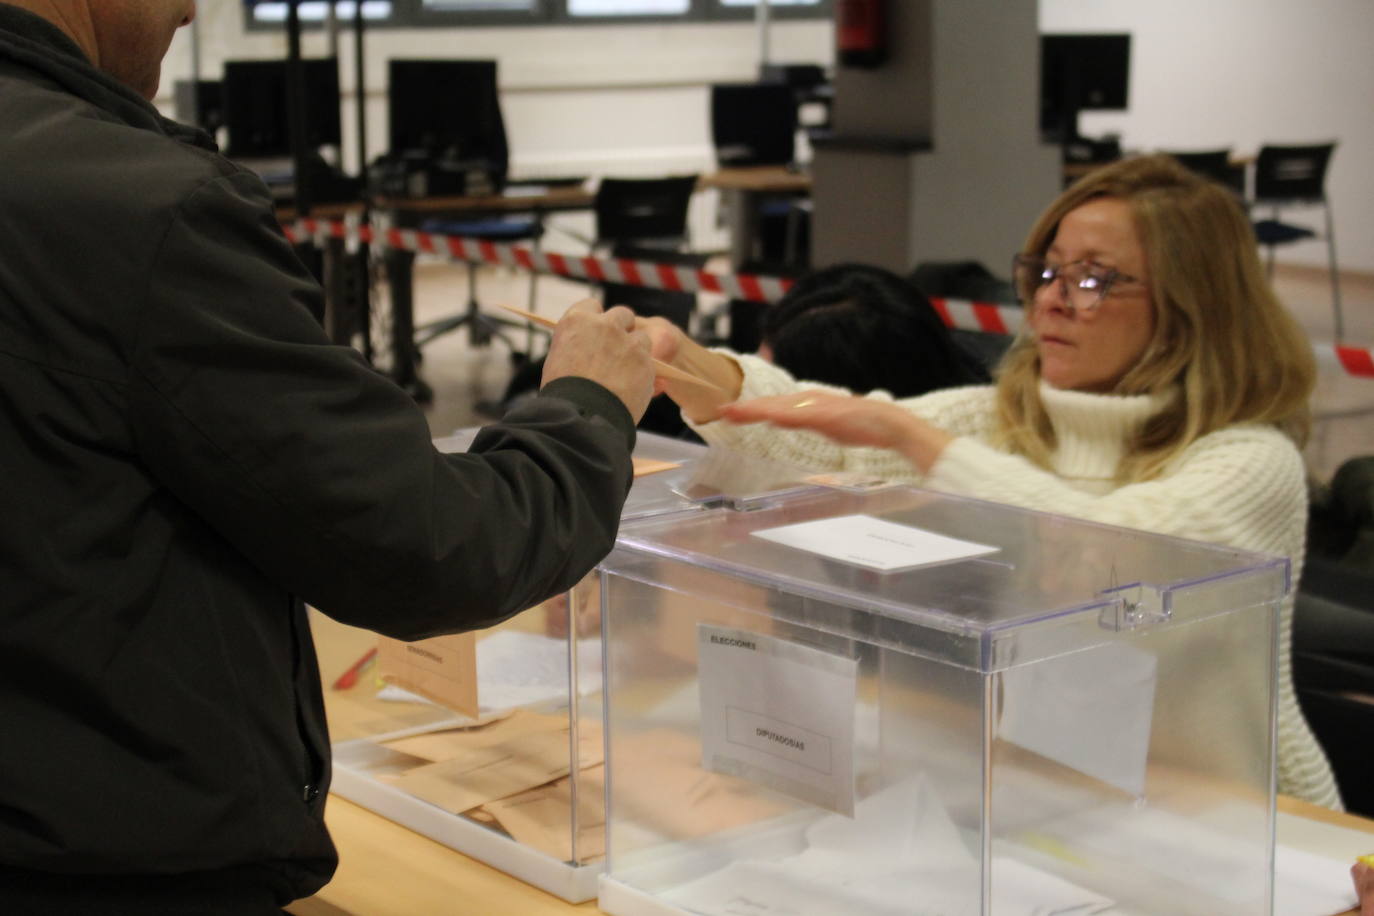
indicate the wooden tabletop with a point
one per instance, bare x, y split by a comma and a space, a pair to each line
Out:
323, 211
524, 198
764, 178
388, 870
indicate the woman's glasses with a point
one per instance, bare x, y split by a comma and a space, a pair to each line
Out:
1083, 284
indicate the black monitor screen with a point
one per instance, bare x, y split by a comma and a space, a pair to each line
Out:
199, 102
446, 109
753, 123
255, 108
1081, 73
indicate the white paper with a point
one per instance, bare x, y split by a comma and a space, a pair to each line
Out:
1310, 885
778, 713
873, 542
1090, 710
523, 669
901, 855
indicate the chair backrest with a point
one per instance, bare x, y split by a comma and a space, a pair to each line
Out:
643, 210
1214, 164
448, 109
753, 123
1292, 172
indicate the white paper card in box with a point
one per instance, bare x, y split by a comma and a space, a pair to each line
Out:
873, 542
1103, 731
778, 713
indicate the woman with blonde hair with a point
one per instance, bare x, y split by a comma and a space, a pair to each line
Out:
1158, 384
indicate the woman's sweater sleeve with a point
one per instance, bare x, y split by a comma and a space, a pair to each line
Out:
958, 411
1241, 486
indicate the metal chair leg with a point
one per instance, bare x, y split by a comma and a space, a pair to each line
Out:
1335, 276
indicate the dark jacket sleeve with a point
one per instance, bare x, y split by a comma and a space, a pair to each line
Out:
321, 471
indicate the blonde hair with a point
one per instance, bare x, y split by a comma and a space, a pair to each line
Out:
1221, 338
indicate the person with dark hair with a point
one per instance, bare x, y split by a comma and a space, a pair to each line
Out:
864, 328
857, 326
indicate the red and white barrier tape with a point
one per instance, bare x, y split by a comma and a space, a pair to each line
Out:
988, 317
631, 272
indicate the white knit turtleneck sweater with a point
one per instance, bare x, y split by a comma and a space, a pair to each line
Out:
1242, 486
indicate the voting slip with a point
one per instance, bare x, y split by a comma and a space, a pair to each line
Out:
442, 669
876, 543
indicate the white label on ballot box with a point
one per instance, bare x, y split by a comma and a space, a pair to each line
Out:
873, 542
778, 713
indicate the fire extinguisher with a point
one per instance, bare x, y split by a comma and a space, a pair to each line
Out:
859, 31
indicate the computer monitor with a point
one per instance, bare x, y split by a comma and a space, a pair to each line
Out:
803, 78
255, 106
753, 123
447, 110
1081, 73
199, 102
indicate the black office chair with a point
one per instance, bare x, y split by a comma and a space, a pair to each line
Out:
650, 212
1333, 629
1214, 164
646, 218
971, 281
1295, 176
484, 138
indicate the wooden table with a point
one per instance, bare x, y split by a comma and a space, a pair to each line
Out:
388, 870
745, 189
346, 306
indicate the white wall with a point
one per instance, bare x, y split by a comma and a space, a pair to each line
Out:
576, 99
632, 98
1240, 73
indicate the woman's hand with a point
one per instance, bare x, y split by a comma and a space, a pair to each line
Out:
665, 341
848, 420
700, 403
1363, 876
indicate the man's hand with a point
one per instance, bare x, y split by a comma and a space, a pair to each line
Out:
606, 348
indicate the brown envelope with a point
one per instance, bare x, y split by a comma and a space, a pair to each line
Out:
542, 818
454, 742
442, 669
497, 771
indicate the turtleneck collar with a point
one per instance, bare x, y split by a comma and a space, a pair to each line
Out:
1092, 429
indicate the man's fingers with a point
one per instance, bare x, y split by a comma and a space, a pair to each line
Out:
621, 317
589, 306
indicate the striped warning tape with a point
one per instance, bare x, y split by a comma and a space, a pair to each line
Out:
988, 317
632, 272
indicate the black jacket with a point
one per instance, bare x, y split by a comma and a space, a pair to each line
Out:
185, 458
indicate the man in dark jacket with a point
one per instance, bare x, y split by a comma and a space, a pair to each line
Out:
187, 459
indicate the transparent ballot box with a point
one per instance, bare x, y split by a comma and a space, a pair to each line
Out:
476, 740
899, 702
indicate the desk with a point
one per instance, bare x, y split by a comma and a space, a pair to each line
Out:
744, 189
344, 278
387, 870
409, 212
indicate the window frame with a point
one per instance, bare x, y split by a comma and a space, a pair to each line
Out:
408, 14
